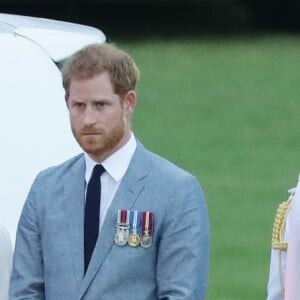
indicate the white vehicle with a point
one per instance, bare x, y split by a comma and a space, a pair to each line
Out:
34, 127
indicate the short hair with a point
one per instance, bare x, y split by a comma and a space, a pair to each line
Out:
95, 59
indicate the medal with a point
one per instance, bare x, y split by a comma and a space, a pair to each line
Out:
121, 236
134, 240
146, 241
147, 228
135, 228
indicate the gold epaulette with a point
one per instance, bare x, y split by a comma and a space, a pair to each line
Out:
279, 225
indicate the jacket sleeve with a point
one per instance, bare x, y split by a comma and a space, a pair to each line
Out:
27, 280
275, 289
183, 254
276, 275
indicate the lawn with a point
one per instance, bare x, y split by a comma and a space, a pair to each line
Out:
227, 110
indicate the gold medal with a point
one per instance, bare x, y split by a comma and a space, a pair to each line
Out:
133, 240
135, 229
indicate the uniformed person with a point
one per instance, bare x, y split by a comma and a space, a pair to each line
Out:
276, 283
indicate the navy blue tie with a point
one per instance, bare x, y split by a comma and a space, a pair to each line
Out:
91, 214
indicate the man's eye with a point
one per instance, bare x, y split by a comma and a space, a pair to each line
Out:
100, 104
78, 105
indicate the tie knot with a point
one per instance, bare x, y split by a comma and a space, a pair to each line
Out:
98, 171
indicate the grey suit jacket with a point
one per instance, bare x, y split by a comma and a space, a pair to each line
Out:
48, 259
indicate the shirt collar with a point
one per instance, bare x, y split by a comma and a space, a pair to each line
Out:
116, 164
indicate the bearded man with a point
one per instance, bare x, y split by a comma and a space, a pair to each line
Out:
117, 221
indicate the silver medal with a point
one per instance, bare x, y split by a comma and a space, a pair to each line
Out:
146, 241
121, 236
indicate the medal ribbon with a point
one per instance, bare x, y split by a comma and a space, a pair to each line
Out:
123, 217
147, 222
128, 218
119, 216
135, 222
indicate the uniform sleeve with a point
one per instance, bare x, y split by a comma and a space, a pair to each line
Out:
183, 254
275, 289
27, 280
276, 275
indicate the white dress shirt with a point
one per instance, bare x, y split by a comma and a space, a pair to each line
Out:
115, 166
5, 262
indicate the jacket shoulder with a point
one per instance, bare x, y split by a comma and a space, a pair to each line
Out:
165, 167
62, 168
279, 226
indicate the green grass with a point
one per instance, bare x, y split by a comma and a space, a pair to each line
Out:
228, 111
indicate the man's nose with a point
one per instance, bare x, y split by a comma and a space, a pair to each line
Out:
89, 115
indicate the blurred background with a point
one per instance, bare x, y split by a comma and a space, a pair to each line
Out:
166, 17
219, 96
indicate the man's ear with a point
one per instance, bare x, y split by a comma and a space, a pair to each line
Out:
129, 102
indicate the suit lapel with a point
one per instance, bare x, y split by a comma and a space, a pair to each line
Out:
130, 188
74, 190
